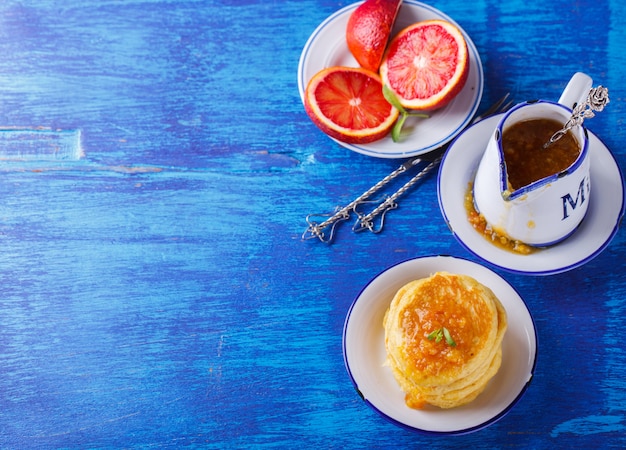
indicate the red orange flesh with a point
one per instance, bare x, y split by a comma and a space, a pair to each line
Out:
347, 103
426, 65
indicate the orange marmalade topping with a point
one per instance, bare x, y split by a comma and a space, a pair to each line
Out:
468, 321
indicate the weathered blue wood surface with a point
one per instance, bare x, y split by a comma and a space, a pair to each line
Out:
156, 293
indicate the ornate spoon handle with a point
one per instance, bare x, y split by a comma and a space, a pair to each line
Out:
597, 99
366, 221
316, 230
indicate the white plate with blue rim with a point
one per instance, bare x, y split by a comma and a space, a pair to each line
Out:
601, 223
327, 47
365, 354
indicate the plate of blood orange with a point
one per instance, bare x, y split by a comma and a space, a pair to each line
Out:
327, 47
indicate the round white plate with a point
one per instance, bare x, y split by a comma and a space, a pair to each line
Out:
606, 207
327, 47
365, 354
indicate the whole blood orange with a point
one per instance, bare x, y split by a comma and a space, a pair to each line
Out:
347, 103
426, 64
368, 31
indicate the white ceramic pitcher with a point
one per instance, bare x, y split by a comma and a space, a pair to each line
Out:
546, 211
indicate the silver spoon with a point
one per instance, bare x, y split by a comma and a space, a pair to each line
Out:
597, 99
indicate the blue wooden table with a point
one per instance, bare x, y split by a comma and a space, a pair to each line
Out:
155, 291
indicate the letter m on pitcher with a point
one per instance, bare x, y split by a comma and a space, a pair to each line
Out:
570, 204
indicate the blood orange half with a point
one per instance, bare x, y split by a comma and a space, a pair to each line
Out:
426, 64
347, 103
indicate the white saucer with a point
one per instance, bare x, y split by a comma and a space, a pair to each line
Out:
365, 354
327, 47
606, 207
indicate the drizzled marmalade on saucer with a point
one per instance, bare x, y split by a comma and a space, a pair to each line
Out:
479, 223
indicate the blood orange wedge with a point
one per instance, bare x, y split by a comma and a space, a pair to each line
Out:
347, 103
426, 64
368, 31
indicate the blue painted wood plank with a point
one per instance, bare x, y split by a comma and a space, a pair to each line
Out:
156, 292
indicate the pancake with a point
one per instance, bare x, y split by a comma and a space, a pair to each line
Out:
444, 369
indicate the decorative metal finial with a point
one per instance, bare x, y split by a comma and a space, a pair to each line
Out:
597, 99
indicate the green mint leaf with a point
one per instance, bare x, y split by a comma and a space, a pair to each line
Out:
448, 337
397, 128
434, 335
390, 96
440, 334
418, 114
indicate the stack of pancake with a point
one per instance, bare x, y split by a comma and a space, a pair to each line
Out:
443, 336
